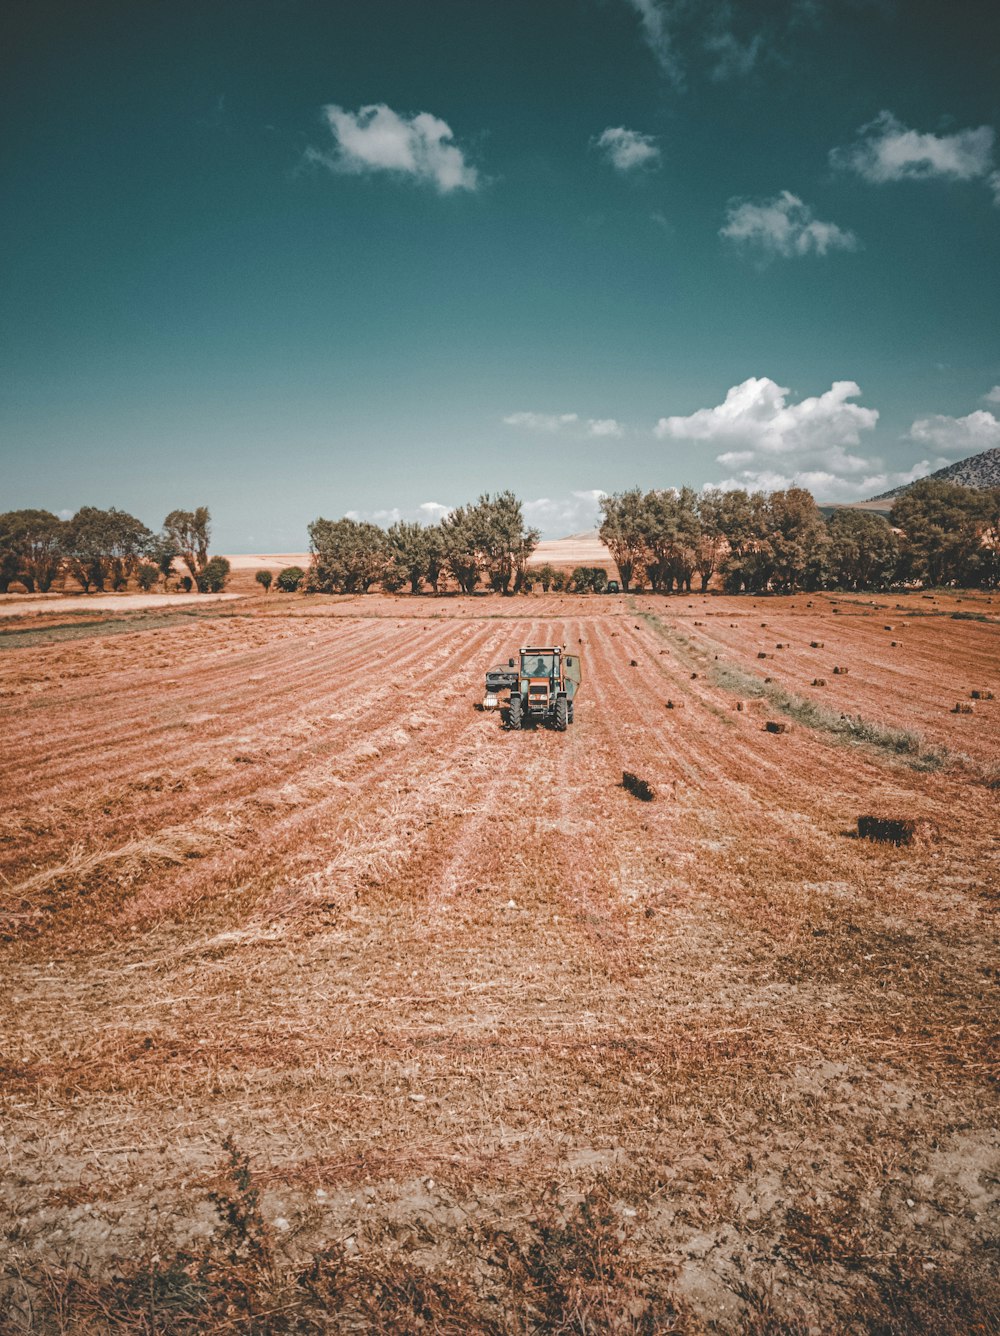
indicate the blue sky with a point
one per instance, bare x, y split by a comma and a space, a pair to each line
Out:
290, 258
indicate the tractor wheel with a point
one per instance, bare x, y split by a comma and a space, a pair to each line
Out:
514, 713
571, 711
562, 714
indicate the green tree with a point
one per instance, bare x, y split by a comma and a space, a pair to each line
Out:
105, 546
710, 547
623, 531
745, 522
545, 575
460, 547
348, 556
147, 576
798, 538
289, 579
264, 579
863, 550
32, 546
672, 529
413, 548
190, 531
214, 575
943, 526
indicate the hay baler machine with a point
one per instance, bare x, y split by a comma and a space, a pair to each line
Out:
542, 684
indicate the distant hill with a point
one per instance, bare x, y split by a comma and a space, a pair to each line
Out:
982, 470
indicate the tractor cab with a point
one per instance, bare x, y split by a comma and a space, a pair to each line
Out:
547, 681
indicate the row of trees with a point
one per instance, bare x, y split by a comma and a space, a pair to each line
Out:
103, 549
938, 533
486, 542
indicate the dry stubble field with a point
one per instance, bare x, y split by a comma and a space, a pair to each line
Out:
457, 1035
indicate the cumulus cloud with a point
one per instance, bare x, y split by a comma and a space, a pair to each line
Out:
432, 511
992, 396
628, 150
783, 226
378, 139
959, 436
553, 422
382, 517
886, 150
557, 517
774, 443
827, 486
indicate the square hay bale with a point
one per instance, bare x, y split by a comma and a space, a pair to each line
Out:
675, 705
815, 644
768, 679
819, 681
639, 788
981, 695
693, 676
963, 707
633, 663
841, 672
894, 644
897, 830
775, 726
888, 628
762, 655
740, 705
781, 645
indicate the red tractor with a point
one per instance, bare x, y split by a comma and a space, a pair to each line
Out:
542, 687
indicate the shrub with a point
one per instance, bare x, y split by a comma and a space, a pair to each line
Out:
290, 578
264, 579
147, 576
186, 583
214, 576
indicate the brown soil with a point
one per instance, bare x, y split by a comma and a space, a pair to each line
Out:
266, 872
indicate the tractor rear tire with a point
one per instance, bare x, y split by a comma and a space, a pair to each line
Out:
562, 714
514, 713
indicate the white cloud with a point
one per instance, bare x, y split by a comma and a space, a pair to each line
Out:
887, 151
756, 416
541, 421
553, 422
557, 517
958, 436
433, 510
783, 226
827, 486
383, 517
992, 396
775, 444
378, 139
655, 16
604, 427
628, 150
993, 181
733, 57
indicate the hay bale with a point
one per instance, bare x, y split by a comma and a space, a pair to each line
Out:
633, 663
740, 706
781, 645
815, 644
763, 626
768, 679
897, 830
841, 672
699, 623
775, 726
888, 628
819, 681
693, 676
894, 644
637, 787
981, 695
963, 707
675, 705
762, 655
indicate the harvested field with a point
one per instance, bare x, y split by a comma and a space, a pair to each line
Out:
504, 1048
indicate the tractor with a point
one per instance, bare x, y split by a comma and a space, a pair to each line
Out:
542, 687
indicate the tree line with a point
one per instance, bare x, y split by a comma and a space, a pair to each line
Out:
938, 533
106, 549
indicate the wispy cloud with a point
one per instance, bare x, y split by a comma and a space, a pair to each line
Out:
783, 226
557, 517
992, 396
628, 150
553, 422
886, 150
733, 58
959, 436
378, 139
655, 16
